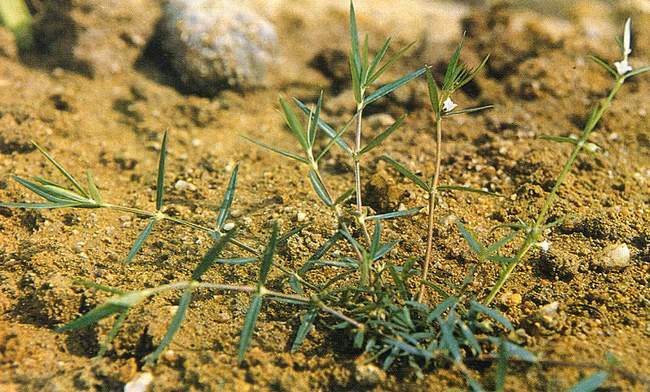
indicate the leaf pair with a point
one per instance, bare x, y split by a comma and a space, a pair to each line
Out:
458, 74
59, 196
436, 98
486, 252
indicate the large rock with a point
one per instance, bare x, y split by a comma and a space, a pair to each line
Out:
217, 44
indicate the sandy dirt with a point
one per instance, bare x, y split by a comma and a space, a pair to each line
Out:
540, 81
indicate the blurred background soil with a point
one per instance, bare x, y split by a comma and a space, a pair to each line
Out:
98, 90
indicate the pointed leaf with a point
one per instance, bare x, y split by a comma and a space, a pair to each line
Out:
212, 254
356, 82
637, 71
37, 206
441, 308
354, 35
495, 247
493, 314
392, 86
117, 324
140, 240
228, 197
313, 121
344, 196
320, 189
174, 326
160, 184
407, 173
591, 383
502, 367
604, 64
467, 110
469, 237
304, 328
391, 60
286, 236
277, 150
466, 189
449, 340
62, 170
377, 140
249, 325
41, 191
114, 304
294, 124
434, 96
384, 249
394, 214
92, 188
378, 57
335, 139
267, 258
331, 133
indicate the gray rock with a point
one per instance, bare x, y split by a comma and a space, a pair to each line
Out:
217, 44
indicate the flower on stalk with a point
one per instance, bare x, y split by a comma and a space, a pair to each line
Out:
623, 67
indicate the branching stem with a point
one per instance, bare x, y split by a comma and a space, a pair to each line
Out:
533, 234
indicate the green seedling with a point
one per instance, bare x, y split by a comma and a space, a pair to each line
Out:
533, 232
456, 76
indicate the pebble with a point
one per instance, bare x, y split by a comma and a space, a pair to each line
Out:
511, 299
301, 216
228, 226
140, 383
369, 374
217, 44
614, 257
182, 186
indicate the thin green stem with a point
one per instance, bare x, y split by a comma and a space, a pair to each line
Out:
357, 169
534, 233
433, 194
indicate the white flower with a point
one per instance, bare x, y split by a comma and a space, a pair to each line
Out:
448, 105
623, 67
544, 245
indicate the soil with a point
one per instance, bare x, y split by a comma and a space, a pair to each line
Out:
540, 81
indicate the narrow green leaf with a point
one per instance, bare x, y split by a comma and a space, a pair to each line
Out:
409, 348
364, 60
469, 237
313, 121
66, 194
36, 206
212, 254
375, 61
267, 258
62, 170
434, 96
329, 131
344, 196
277, 150
377, 140
449, 340
394, 214
391, 60
637, 71
503, 260
604, 64
93, 316
441, 308
392, 86
174, 326
442, 292
356, 82
92, 188
228, 197
160, 184
376, 238
591, 383
384, 249
559, 139
286, 236
117, 324
294, 124
495, 247
236, 261
492, 313
335, 139
467, 110
515, 350
97, 286
502, 367
41, 191
320, 189
469, 337
303, 330
320, 253
119, 303
354, 35
140, 240
407, 173
249, 325
466, 189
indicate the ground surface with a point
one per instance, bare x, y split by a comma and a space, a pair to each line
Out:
539, 80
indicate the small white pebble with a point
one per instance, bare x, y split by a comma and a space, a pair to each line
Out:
301, 216
545, 245
182, 185
614, 257
196, 142
140, 383
228, 226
